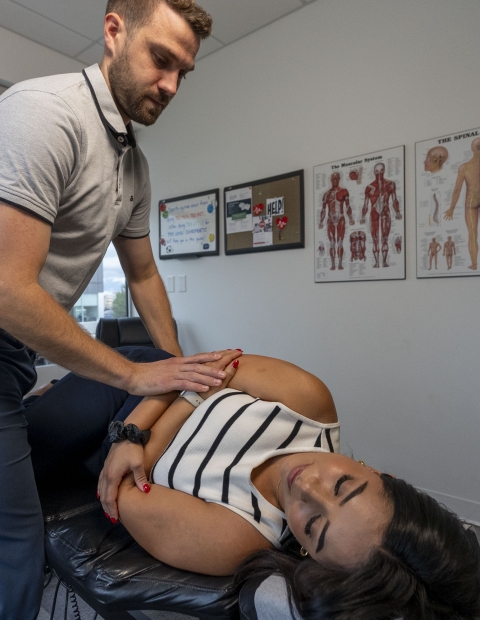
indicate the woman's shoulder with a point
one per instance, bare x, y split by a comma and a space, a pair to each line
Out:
272, 379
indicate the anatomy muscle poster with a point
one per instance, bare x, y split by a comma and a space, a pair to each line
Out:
359, 218
448, 204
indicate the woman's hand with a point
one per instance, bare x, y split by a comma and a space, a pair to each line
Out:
124, 458
229, 363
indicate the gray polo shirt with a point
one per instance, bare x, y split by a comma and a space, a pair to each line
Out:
66, 156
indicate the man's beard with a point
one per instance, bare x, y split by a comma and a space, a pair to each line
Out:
126, 92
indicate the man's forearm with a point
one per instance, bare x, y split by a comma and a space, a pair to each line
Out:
151, 300
36, 319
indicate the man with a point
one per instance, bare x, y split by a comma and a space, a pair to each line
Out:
433, 250
72, 179
469, 173
378, 194
334, 200
448, 251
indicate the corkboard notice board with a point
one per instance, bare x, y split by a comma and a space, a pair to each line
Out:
265, 215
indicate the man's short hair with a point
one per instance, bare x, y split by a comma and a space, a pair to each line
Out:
136, 13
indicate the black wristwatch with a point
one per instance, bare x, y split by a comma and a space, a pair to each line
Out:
118, 431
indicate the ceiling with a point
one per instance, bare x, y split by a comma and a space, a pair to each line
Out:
75, 27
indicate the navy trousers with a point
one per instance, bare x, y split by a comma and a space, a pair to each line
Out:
67, 426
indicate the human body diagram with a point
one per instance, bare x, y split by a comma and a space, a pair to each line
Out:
448, 251
433, 250
334, 201
448, 203
345, 228
378, 196
469, 173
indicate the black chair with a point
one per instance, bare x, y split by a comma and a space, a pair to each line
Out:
123, 332
102, 563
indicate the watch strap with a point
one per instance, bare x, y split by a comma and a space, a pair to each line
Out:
192, 397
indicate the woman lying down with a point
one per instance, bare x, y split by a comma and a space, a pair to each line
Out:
239, 469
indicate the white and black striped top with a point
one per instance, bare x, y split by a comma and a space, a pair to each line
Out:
226, 437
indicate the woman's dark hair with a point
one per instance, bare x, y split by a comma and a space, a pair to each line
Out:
426, 568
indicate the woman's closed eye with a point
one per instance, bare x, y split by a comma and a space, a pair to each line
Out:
310, 522
339, 483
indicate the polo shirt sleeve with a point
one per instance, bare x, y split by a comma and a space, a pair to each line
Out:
40, 151
139, 223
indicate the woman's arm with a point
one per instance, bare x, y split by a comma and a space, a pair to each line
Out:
275, 380
187, 532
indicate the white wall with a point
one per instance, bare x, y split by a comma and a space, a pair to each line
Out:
22, 59
337, 79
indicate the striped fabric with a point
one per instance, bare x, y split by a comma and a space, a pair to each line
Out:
225, 438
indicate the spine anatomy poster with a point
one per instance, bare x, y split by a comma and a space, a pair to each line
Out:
448, 204
359, 218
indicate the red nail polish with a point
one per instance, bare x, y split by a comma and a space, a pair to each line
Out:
235, 364
241, 350
106, 514
98, 495
114, 521
146, 488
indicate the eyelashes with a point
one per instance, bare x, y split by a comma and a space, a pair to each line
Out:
340, 481
310, 522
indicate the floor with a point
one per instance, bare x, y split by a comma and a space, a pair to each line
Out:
87, 613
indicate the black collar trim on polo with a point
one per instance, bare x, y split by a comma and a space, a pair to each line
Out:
126, 138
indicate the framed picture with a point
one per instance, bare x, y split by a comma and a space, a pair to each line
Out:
189, 225
359, 217
265, 215
448, 202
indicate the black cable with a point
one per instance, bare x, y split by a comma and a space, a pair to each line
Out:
74, 602
54, 604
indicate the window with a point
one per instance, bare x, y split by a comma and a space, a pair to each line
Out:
106, 296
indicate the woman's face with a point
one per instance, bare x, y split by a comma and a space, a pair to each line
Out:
334, 506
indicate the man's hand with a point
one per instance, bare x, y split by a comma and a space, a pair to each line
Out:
448, 215
193, 373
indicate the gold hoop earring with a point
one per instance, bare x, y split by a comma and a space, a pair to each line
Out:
303, 552
362, 463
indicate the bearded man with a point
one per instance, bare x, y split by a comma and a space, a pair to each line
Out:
72, 179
